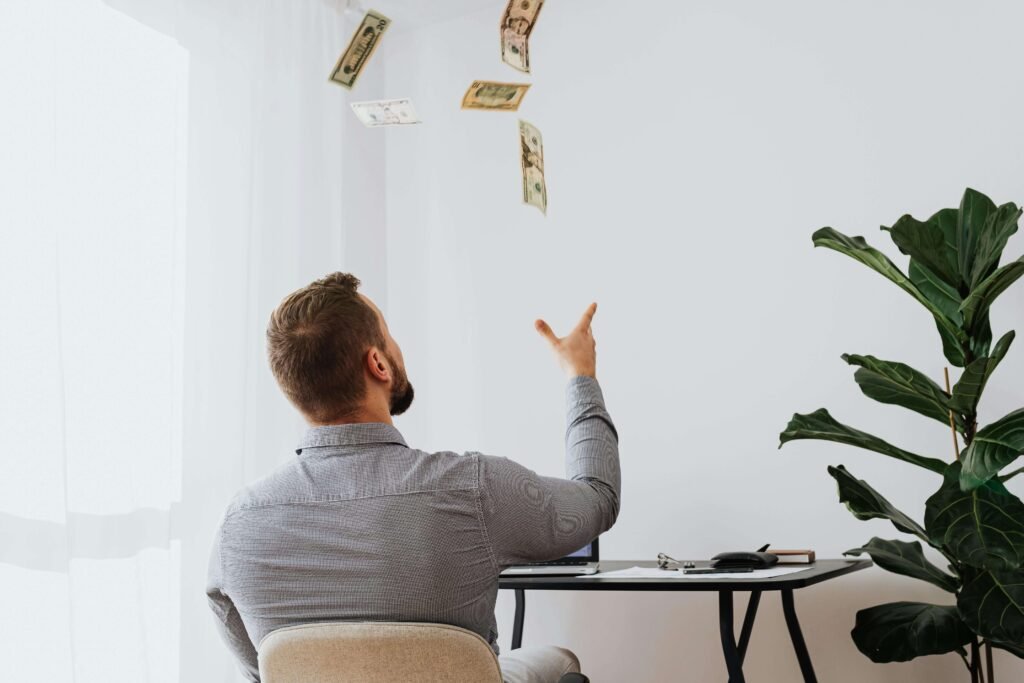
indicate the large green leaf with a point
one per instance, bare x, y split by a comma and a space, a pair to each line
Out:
952, 349
980, 341
993, 448
975, 209
1016, 649
900, 557
823, 427
981, 297
857, 248
866, 503
968, 389
899, 384
981, 528
997, 230
946, 298
901, 631
926, 244
992, 605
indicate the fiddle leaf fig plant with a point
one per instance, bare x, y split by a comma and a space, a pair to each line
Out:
972, 520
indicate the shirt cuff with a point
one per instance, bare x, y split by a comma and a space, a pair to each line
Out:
582, 390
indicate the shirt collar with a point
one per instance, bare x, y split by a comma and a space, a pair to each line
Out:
352, 434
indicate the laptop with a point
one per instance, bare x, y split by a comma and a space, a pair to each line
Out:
579, 563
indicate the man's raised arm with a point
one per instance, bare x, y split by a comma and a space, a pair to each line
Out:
531, 518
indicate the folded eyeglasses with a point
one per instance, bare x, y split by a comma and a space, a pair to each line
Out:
664, 562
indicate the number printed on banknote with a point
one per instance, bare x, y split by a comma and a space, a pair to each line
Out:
359, 49
535, 189
385, 112
494, 96
516, 25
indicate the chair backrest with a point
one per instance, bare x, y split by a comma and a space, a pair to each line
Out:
376, 652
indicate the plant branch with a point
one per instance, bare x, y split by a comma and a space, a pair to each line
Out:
977, 674
1011, 475
963, 656
955, 564
952, 422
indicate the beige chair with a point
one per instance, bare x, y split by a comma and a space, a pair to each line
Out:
376, 652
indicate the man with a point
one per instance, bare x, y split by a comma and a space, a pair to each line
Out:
362, 527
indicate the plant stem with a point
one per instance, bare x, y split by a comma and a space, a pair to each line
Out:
1011, 475
963, 655
952, 422
952, 560
988, 660
976, 673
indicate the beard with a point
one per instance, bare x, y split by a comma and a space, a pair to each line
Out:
401, 391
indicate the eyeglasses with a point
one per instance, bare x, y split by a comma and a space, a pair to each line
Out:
664, 561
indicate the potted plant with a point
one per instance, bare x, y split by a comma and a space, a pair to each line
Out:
972, 520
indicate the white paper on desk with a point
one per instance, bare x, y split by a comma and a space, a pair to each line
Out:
655, 573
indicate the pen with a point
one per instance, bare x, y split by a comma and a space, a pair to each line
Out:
740, 570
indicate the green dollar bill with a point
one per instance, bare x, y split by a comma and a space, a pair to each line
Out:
535, 189
516, 26
359, 49
494, 96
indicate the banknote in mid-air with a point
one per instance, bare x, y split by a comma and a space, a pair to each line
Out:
516, 25
535, 189
359, 49
385, 112
494, 96
515, 50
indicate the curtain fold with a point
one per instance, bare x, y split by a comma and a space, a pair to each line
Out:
173, 168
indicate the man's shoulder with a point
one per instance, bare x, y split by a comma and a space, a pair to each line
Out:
432, 470
269, 489
411, 471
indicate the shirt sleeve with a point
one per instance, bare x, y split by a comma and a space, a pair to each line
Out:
229, 621
530, 518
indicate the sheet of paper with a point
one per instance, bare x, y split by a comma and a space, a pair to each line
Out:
655, 573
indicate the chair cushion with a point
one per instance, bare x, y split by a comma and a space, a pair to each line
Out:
376, 652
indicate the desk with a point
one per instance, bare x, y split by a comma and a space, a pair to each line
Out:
734, 651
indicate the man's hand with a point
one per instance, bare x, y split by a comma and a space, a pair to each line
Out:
577, 351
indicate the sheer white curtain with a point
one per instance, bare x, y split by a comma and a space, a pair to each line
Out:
170, 169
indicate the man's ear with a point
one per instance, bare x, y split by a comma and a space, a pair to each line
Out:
377, 364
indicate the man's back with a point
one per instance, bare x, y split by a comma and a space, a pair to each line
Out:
361, 527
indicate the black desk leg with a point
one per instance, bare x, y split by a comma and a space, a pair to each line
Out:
733, 661
748, 623
797, 637
517, 624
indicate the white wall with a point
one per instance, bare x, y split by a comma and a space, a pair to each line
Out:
691, 149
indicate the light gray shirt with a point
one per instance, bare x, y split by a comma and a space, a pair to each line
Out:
360, 527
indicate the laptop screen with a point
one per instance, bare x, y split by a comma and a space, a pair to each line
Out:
587, 552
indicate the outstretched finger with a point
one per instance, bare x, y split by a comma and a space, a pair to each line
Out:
545, 331
588, 316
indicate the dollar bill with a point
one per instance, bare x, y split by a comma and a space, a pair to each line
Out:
359, 49
515, 50
535, 189
385, 112
494, 96
516, 25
